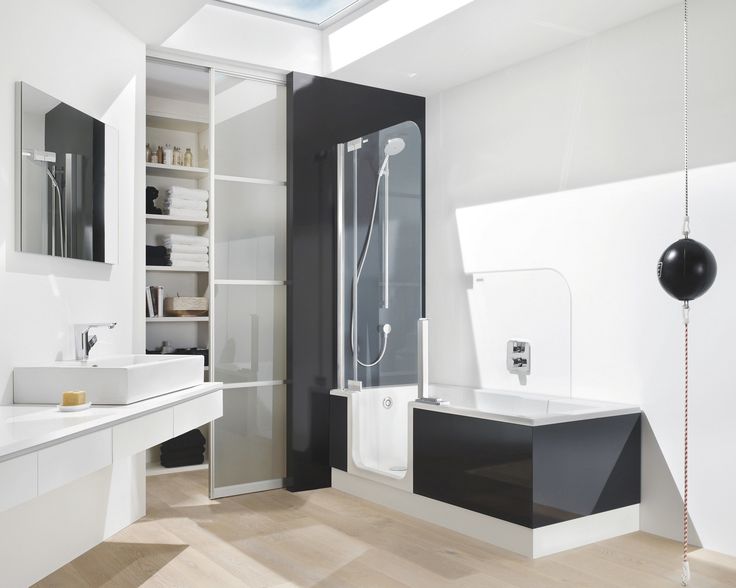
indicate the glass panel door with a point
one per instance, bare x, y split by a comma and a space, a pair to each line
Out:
380, 256
248, 343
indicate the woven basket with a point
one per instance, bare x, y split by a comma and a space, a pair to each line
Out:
186, 306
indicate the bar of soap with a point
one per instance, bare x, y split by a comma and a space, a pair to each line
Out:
74, 398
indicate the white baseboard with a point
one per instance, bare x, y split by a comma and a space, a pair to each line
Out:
503, 534
517, 538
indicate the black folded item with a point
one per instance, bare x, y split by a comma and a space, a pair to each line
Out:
182, 458
194, 351
151, 195
191, 440
156, 255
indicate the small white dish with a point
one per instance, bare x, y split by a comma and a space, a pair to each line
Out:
74, 408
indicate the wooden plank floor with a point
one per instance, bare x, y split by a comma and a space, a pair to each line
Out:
325, 538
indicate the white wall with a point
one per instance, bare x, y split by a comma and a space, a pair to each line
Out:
606, 109
76, 52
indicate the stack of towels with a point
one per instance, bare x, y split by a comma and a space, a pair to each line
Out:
186, 202
188, 252
184, 450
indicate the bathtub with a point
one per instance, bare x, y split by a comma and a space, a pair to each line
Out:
524, 471
519, 408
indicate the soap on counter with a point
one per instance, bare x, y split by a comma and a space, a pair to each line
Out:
74, 398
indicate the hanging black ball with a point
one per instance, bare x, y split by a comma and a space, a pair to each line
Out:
687, 269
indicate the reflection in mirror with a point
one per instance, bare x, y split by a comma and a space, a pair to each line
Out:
67, 180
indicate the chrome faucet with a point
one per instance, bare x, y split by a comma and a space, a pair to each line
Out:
83, 343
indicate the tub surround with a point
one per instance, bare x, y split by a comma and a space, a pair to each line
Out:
533, 474
530, 476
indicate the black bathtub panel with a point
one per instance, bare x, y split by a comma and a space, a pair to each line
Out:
482, 465
339, 432
586, 467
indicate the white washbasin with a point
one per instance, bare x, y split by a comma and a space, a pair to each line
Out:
121, 379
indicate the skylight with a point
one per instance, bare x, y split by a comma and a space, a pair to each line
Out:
312, 11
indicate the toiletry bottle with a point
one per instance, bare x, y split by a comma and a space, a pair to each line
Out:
159, 155
166, 348
188, 157
149, 153
168, 155
177, 156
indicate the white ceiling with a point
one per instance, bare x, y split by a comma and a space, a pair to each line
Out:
474, 40
486, 36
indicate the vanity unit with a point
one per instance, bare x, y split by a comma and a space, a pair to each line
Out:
72, 479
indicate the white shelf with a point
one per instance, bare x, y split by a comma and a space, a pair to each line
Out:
245, 180
249, 282
171, 123
156, 469
176, 171
175, 220
168, 268
177, 319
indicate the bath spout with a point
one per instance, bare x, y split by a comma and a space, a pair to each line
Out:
423, 357
423, 364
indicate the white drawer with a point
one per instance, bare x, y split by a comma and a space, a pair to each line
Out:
19, 480
139, 434
197, 412
66, 462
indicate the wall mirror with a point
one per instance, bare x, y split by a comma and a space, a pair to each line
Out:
66, 180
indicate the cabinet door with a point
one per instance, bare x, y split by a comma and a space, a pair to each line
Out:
248, 313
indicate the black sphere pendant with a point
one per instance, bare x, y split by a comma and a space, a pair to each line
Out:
687, 269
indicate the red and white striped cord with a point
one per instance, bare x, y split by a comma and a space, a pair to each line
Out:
685, 562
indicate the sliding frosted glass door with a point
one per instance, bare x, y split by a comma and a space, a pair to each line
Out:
248, 349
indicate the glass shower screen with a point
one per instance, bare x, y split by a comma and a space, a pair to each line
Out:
380, 256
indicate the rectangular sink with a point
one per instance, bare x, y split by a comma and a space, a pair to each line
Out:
122, 379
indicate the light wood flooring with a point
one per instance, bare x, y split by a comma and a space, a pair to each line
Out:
325, 538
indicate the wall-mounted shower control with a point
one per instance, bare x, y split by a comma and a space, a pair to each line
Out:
518, 357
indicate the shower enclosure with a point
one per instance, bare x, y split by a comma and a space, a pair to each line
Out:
380, 265
379, 256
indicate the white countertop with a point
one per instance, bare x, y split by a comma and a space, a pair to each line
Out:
29, 427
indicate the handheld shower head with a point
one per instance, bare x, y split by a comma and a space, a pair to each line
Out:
394, 146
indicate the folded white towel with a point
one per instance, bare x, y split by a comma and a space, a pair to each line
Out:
189, 193
176, 239
191, 265
189, 257
175, 202
179, 248
187, 213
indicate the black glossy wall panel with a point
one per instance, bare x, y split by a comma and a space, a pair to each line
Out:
531, 476
320, 113
339, 432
